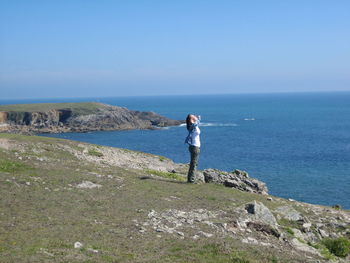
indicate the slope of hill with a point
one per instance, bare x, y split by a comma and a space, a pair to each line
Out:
66, 201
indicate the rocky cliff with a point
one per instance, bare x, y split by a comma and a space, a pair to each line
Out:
76, 117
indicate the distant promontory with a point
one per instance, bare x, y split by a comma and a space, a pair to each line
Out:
76, 117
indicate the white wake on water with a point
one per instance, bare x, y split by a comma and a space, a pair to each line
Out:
212, 124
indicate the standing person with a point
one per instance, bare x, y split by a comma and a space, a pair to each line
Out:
194, 143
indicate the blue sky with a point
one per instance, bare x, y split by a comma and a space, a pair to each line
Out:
72, 48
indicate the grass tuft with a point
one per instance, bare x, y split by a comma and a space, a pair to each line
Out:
94, 152
166, 175
11, 166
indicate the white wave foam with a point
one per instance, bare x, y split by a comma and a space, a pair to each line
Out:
210, 124
249, 119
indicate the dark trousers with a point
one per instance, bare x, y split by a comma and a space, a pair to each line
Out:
194, 151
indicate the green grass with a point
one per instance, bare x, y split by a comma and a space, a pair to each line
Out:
339, 246
41, 222
288, 224
42, 107
289, 231
94, 152
166, 175
12, 166
162, 158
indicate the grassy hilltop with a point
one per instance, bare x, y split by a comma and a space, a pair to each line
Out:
77, 108
123, 206
36, 107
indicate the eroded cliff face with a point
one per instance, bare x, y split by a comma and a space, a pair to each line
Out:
36, 119
3, 117
67, 120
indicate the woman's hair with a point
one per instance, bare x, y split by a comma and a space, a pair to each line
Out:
188, 121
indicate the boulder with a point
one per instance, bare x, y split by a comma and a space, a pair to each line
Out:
237, 179
260, 213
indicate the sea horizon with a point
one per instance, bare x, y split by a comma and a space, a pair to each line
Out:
70, 99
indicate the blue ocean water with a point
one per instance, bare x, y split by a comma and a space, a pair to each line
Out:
299, 144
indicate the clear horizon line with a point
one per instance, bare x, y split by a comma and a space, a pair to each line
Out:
181, 95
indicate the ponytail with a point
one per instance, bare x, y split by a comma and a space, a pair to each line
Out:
188, 122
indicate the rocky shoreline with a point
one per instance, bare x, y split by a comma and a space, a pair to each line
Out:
76, 117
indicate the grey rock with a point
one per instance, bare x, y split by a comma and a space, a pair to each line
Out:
237, 179
303, 247
289, 213
200, 177
81, 117
306, 227
323, 233
261, 213
78, 245
88, 185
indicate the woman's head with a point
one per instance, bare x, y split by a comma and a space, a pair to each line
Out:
190, 120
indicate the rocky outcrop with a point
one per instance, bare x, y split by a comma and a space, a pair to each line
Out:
237, 179
89, 117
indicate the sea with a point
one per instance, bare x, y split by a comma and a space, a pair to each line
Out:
297, 143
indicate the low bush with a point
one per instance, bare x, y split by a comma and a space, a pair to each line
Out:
339, 246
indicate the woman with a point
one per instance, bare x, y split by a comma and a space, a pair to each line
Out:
193, 140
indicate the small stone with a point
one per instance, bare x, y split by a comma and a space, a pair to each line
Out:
78, 245
88, 184
269, 199
92, 250
291, 200
306, 226
205, 234
265, 244
28, 183
323, 233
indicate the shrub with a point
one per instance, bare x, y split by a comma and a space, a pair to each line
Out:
339, 247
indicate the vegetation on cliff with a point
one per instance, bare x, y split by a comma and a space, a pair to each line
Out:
66, 201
